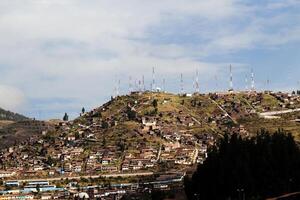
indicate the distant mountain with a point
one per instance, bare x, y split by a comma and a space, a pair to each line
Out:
10, 116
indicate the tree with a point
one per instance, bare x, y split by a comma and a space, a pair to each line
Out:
131, 114
154, 103
260, 167
66, 117
38, 188
50, 161
105, 125
83, 110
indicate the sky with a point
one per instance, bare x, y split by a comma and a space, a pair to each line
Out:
58, 56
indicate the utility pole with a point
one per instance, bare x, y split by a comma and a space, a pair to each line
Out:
164, 85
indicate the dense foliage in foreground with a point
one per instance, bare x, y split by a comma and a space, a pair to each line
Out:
253, 168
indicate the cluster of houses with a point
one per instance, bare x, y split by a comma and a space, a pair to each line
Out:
78, 147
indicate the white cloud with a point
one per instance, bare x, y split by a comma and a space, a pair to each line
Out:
11, 98
73, 49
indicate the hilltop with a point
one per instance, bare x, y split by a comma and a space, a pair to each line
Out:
198, 114
147, 131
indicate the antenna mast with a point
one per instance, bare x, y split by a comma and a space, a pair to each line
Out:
130, 84
197, 82
153, 79
140, 86
135, 85
231, 79
252, 81
115, 93
143, 83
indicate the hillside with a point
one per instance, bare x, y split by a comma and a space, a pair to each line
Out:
148, 132
16, 128
20, 132
10, 116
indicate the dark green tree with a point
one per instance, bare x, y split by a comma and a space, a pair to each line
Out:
66, 117
263, 166
38, 188
131, 114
